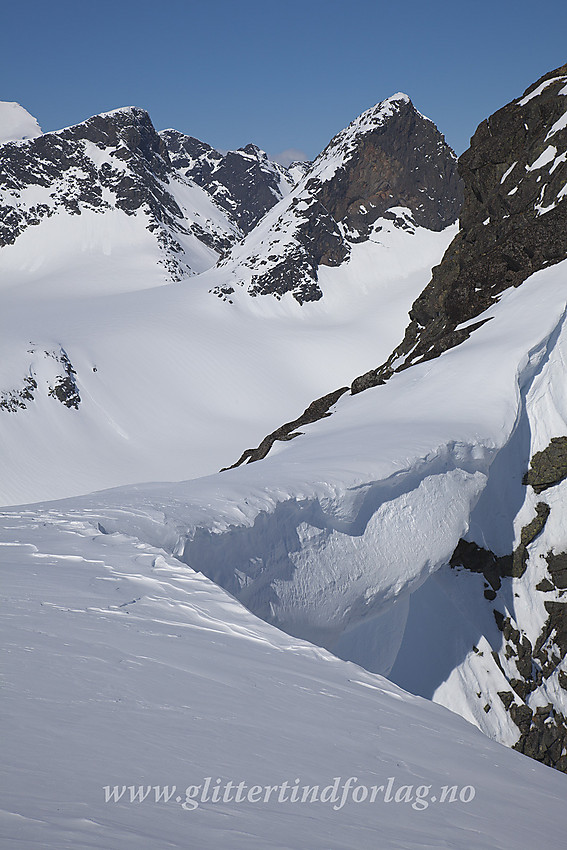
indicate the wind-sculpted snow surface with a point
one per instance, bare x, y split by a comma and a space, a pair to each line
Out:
135, 689
326, 536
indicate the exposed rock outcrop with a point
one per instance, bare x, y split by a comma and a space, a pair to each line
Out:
529, 667
512, 223
391, 163
115, 160
58, 377
245, 182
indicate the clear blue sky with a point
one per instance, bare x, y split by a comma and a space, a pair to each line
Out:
284, 75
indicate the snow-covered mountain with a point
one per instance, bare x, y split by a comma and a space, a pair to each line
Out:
411, 522
499, 657
97, 220
390, 167
245, 182
98, 189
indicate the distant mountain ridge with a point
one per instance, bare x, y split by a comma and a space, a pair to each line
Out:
245, 183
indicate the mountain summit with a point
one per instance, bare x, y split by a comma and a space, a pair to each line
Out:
390, 156
390, 164
513, 221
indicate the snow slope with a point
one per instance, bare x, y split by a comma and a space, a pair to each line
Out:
229, 372
125, 668
16, 123
328, 536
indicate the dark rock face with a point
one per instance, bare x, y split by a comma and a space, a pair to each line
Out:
544, 736
543, 732
245, 183
548, 467
318, 241
557, 567
60, 162
496, 567
513, 223
116, 160
390, 157
62, 386
403, 161
17, 399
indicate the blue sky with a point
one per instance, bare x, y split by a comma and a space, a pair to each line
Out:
284, 75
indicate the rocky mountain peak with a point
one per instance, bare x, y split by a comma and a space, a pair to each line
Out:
133, 171
512, 223
130, 132
390, 157
254, 150
112, 161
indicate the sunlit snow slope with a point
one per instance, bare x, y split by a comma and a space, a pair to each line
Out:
109, 376
126, 669
131, 665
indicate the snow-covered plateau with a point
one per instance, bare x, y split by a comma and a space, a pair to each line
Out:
297, 627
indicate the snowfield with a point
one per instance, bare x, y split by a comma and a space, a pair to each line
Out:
157, 356
173, 633
125, 667
146, 673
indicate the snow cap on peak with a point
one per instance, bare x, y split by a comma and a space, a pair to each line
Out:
378, 114
122, 110
398, 96
16, 123
342, 146
252, 150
